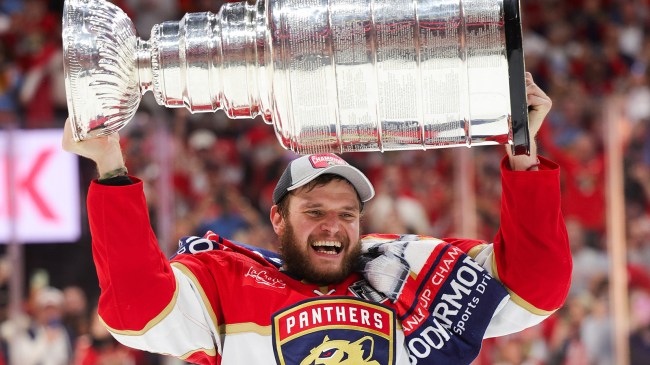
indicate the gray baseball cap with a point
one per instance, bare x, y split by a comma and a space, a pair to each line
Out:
306, 168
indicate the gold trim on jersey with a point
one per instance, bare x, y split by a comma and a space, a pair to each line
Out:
474, 251
157, 319
246, 327
516, 298
198, 286
209, 352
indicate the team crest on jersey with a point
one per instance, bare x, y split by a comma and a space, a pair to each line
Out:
334, 330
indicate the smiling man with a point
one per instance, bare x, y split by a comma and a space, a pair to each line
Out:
331, 296
317, 206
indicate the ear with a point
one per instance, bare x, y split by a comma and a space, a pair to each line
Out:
367, 345
277, 220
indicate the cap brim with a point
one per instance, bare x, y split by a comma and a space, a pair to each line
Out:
360, 182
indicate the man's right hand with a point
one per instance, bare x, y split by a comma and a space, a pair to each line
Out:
105, 151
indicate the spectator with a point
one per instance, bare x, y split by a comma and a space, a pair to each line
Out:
640, 337
596, 332
393, 209
43, 340
40, 58
75, 312
589, 263
9, 84
584, 182
98, 347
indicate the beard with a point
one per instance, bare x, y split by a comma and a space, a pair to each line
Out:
297, 262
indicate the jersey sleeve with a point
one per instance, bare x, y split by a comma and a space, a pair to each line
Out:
531, 249
146, 302
530, 254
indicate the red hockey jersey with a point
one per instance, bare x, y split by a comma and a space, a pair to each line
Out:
219, 303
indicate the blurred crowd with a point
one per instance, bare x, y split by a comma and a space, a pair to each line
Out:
588, 55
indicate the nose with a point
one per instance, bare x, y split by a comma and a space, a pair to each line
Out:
330, 225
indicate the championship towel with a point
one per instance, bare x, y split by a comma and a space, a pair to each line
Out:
444, 300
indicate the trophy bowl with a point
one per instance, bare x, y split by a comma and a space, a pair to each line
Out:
101, 80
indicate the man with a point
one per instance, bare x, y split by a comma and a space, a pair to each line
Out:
44, 341
329, 297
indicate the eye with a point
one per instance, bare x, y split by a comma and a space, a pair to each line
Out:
348, 216
314, 213
327, 354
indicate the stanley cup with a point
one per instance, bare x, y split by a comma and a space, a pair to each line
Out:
329, 75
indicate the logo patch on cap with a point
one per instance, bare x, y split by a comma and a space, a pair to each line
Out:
325, 160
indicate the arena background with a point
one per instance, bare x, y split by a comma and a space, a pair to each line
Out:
207, 172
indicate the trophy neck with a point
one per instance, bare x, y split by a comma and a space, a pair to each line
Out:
143, 61
207, 61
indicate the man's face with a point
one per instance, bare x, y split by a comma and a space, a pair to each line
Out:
320, 236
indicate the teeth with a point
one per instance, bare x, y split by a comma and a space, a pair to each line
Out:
328, 247
327, 244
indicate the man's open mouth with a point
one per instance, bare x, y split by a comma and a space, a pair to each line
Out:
327, 247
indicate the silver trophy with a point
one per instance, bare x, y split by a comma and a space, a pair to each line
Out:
329, 75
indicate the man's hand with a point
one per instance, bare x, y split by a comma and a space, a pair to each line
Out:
539, 104
105, 151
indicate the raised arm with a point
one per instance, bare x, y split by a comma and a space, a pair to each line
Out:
145, 302
530, 255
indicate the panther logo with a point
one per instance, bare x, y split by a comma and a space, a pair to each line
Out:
342, 352
333, 331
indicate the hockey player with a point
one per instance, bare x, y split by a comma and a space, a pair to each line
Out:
331, 296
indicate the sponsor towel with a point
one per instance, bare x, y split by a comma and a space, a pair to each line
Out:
444, 300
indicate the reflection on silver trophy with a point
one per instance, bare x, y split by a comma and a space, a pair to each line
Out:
329, 75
